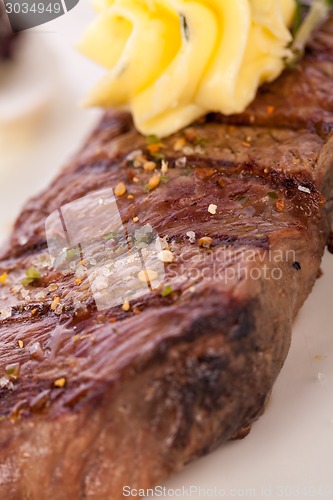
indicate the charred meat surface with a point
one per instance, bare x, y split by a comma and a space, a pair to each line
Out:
93, 400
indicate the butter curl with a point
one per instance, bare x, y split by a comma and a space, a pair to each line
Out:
172, 61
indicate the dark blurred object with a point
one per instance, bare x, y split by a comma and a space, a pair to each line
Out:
29, 14
7, 37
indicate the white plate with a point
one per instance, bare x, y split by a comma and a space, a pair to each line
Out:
291, 446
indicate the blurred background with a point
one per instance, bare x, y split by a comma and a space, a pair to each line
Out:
41, 121
41, 126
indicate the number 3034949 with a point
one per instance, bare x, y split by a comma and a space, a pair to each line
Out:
35, 8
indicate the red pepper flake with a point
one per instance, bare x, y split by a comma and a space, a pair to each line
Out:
205, 242
153, 182
190, 134
280, 205
154, 148
322, 200
270, 110
3, 278
55, 303
120, 189
179, 144
60, 382
205, 173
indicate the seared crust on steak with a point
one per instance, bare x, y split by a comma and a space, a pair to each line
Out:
114, 397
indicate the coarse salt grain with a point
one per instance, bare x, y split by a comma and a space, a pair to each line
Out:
166, 256
147, 275
191, 236
149, 166
6, 313
164, 167
134, 154
5, 383
212, 209
304, 189
100, 283
36, 351
181, 162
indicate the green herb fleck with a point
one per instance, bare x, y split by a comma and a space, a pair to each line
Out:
164, 179
201, 142
186, 172
184, 27
158, 156
273, 195
298, 17
167, 291
318, 12
72, 252
13, 370
109, 236
241, 199
145, 235
152, 139
32, 275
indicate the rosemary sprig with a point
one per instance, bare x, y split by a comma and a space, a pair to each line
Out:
318, 12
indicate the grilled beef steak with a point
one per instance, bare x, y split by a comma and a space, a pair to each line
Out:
92, 400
